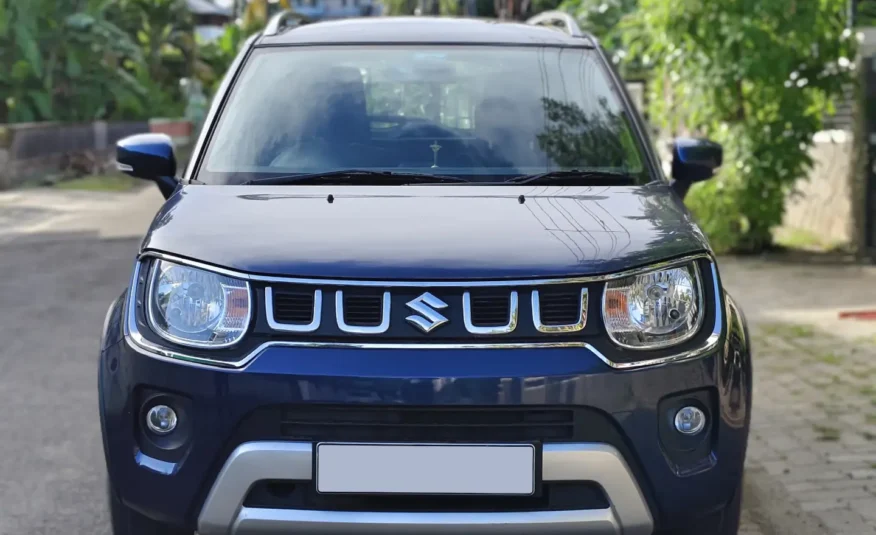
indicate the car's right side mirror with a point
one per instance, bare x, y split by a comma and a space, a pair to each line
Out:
694, 160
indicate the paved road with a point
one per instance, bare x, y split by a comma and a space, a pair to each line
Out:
63, 258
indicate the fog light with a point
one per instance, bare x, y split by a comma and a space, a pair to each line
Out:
690, 420
161, 419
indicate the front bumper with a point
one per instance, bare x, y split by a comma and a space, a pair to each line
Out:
222, 405
253, 462
617, 413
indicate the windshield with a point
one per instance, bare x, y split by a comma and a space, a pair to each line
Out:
485, 113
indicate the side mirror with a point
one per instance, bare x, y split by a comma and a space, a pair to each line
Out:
694, 160
151, 157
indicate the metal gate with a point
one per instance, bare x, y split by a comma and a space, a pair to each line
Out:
869, 187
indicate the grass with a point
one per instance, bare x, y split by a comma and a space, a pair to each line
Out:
826, 434
803, 240
787, 330
870, 418
868, 390
801, 331
109, 182
831, 358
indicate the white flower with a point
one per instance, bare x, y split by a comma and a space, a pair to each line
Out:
603, 8
843, 62
860, 37
847, 33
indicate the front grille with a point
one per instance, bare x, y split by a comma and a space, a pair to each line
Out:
560, 307
383, 424
422, 314
490, 310
364, 310
293, 306
554, 496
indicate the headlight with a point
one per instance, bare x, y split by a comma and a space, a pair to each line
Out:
197, 308
654, 309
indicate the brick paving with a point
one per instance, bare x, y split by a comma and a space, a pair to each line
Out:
814, 422
747, 526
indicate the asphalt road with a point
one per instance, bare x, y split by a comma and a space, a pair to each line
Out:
53, 297
60, 267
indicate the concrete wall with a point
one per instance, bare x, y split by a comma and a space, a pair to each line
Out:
36, 150
821, 206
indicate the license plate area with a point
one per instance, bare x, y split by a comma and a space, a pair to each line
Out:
427, 469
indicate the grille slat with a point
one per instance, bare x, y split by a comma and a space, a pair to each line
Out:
560, 308
363, 310
293, 307
490, 310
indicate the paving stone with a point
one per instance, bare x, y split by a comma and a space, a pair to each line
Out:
810, 428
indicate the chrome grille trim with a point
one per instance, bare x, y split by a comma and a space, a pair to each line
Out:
513, 312
293, 327
569, 328
360, 329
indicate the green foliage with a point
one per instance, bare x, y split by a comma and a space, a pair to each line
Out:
62, 61
215, 58
757, 77
602, 19
866, 13
164, 32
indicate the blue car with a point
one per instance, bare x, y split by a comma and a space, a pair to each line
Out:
424, 276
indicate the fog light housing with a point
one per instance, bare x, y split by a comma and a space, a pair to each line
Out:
690, 420
161, 419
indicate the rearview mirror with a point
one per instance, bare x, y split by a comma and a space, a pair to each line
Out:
694, 160
150, 157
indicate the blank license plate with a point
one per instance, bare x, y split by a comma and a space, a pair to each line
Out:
425, 469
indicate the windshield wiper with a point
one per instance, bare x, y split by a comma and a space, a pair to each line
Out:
572, 175
368, 177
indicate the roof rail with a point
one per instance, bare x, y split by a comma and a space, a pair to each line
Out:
558, 20
283, 21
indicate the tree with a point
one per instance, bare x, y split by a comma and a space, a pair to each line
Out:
63, 61
602, 18
164, 31
756, 76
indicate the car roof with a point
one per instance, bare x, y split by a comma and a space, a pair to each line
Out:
423, 30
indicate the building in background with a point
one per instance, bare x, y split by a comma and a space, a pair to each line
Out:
337, 9
321, 9
210, 18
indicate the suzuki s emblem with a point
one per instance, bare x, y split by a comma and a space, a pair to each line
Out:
429, 318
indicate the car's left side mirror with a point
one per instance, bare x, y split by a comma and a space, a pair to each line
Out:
150, 157
694, 160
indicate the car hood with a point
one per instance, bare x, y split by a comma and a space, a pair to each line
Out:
425, 232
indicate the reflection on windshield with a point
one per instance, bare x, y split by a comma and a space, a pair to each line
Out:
485, 113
